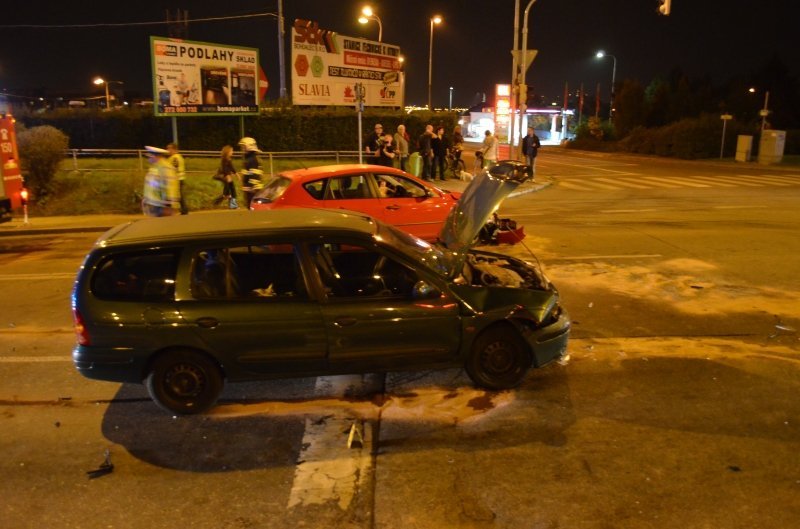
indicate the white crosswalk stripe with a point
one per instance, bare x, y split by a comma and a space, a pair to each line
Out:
597, 183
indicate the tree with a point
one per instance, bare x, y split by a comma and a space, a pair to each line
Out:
630, 112
41, 151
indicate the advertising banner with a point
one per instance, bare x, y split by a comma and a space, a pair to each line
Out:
327, 66
200, 78
502, 112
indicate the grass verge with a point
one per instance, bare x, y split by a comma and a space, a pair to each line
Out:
115, 186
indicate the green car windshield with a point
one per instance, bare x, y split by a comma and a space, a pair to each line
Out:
432, 255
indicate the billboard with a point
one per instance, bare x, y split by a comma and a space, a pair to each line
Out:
327, 66
200, 78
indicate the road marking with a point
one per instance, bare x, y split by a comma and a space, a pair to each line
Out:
628, 210
33, 359
714, 180
771, 180
37, 277
738, 207
327, 471
592, 165
586, 185
737, 181
597, 257
652, 180
679, 180
624, 183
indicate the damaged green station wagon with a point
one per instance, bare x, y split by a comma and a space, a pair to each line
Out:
184, 303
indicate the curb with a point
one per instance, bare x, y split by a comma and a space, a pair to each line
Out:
16, 228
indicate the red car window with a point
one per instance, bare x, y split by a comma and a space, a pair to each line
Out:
348, 187
316, 189
394, 186
274, 188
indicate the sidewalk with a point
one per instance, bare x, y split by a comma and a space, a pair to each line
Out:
102, 222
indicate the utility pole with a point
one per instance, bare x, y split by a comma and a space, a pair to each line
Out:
764, 112
360, 93
514, 77
178, 27
281, 58
523, 86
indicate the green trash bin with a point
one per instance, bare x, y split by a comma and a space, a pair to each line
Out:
414, 165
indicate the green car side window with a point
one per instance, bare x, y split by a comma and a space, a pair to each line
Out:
136, 276
349, 271
267, 271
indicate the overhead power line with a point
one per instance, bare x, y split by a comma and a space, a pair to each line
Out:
126, 24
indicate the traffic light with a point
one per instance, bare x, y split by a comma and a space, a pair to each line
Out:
23, 197
664, 6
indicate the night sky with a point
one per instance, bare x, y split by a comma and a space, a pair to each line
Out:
711, 38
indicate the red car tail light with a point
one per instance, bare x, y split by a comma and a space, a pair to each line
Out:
81, 333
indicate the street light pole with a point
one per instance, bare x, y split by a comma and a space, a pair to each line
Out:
98, 81
368, 14
600, 55
451, 98
435, 20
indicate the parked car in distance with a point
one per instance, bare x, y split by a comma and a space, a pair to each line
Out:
384, 193
185, 303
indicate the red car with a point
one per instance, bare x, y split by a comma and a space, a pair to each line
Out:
385, 193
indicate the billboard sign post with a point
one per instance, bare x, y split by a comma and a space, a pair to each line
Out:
201, 79
328, 66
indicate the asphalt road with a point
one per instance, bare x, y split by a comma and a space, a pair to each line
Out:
678, 406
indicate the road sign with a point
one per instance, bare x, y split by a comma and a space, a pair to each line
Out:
529, 56
726, 117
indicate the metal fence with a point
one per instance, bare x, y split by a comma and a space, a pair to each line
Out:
269, 157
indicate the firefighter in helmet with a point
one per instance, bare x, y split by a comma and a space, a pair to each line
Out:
251, 176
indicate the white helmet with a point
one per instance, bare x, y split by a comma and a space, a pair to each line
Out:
249, 144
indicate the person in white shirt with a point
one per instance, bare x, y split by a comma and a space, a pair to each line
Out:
489, 150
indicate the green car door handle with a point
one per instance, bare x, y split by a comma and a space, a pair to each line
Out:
207, 322
345, 322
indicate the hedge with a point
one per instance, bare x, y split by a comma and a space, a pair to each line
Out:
691, 138
276, 129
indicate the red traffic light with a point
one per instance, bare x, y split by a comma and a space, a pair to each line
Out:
23, 196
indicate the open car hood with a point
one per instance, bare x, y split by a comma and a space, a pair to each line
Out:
479, 200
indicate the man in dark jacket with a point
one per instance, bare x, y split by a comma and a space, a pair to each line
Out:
373, 144
530, 148
439, 145
426, 151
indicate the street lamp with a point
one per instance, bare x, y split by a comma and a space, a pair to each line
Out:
366, 15
98, 81
451, 98
435, 20
600, 54
764, 112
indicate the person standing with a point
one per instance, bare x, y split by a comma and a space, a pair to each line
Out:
160, 195
251, 176
458, 142
401, 146
372, 144
489, 150
179, 165
226, 174
530, 148
425, 151
439, 147
387, 153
